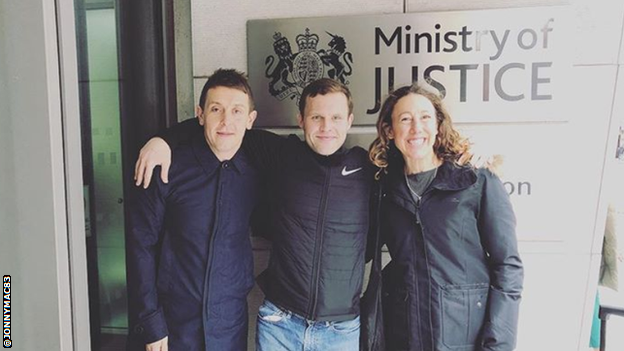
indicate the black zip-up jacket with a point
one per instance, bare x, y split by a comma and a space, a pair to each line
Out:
317, 218
455, 279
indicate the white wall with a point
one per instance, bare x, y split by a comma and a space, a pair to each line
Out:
33, 221
561, 274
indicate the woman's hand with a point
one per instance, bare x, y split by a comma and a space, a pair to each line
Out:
155, 152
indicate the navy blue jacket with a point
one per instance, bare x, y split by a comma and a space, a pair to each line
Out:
189, 257
455, 278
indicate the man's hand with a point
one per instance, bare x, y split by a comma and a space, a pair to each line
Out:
155, 152
160, 345
492, 162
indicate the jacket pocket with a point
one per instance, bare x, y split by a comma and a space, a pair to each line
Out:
271, 314
346, 327
463, 313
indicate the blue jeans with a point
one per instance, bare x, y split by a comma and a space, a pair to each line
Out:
282, 330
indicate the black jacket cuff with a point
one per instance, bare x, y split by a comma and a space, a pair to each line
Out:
151, 328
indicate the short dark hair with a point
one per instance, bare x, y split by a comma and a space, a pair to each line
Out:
229, 78
324, 86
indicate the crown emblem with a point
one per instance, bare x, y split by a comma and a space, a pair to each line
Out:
307, 41
289, 72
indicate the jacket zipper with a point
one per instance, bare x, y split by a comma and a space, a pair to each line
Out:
418, 211
211, 254
416, 282
319, 246
424, 239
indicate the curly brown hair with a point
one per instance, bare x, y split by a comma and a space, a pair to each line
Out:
449, 144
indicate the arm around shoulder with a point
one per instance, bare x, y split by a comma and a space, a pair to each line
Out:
264, 148
157, 151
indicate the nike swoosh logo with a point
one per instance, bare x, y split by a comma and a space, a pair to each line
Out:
346, 173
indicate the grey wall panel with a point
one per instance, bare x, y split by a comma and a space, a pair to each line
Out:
497, 65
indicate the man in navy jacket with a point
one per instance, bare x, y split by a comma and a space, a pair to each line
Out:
189, 258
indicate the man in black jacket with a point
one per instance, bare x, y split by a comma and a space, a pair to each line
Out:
317, 219
318, 222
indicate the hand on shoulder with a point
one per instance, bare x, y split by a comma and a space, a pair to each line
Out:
155, 152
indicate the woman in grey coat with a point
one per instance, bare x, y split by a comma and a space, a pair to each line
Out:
455, 278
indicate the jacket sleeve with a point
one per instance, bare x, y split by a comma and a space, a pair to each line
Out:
147, 211
497, 225
264, 149
181, 132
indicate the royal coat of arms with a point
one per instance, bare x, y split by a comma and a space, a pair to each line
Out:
289, 73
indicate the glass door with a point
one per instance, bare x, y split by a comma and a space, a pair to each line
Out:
99, 84
127, 84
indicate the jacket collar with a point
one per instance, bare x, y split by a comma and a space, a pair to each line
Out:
330, 160
450, 177
209, 161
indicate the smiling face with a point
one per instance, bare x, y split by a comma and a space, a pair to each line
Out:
414, 128
325, 122
225, 116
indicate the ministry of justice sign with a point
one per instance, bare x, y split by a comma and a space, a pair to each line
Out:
505, 65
